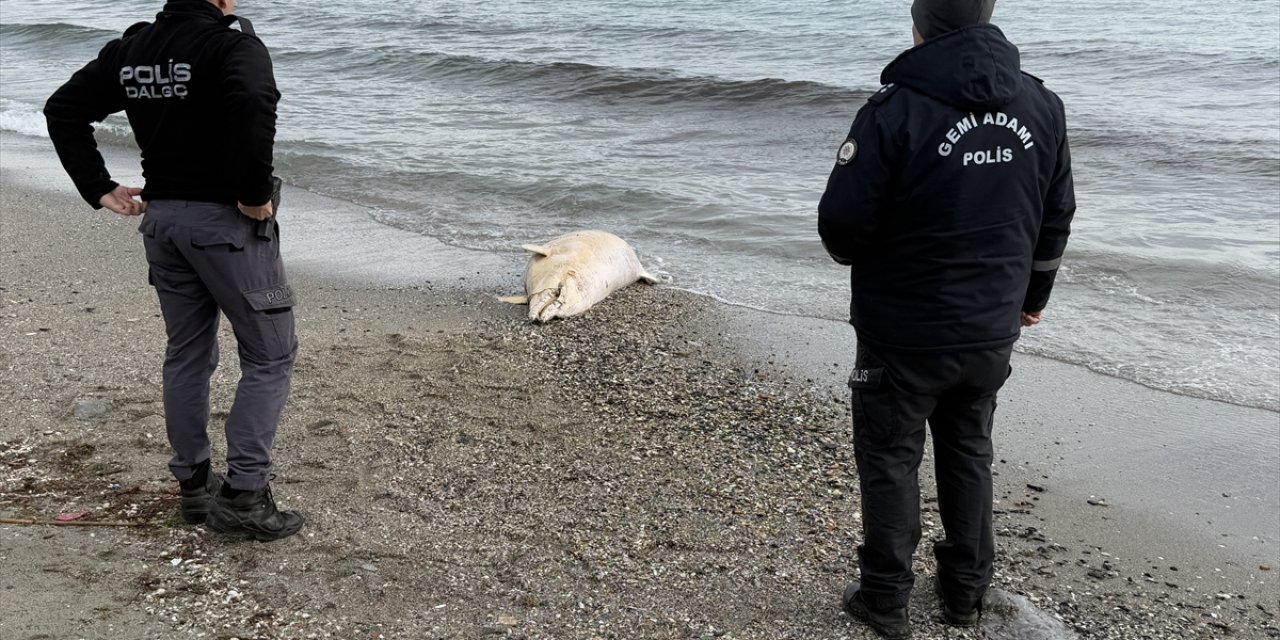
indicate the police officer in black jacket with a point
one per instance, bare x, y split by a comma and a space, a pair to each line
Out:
951, 201
201, 99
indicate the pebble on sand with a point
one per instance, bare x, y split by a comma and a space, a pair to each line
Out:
90, 408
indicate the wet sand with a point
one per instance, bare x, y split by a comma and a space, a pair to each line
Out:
662, 467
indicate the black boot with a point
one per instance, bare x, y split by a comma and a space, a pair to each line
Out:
890, 623
251, 514
198, 493
958, 617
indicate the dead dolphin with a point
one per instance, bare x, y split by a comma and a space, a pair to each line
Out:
569, 274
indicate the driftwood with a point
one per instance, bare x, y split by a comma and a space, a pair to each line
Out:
70, 523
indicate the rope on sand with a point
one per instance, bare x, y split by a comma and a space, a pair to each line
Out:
71, 523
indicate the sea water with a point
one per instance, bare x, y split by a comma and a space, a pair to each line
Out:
703, 133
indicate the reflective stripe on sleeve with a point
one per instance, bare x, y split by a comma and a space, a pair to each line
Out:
1046, 265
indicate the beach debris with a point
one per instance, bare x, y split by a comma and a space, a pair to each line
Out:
1036, 487
68, 517
323, 427
1098, 502
90, 408
571, 273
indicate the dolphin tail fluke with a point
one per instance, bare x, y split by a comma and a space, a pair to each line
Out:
515, 299
538, 249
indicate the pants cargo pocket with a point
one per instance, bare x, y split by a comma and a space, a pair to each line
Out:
221, 238
875, 415
273, 306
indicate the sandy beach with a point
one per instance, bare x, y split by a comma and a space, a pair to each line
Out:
663, 466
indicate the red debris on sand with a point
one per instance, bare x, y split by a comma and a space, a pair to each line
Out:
68, 517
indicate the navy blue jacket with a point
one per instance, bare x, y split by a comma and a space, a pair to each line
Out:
951, 200
201, 99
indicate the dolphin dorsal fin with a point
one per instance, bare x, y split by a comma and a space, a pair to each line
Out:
538, 249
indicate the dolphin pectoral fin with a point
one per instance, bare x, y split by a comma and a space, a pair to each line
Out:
515, 299
649, 278
538, 249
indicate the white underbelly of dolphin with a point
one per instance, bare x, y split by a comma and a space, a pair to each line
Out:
569, 274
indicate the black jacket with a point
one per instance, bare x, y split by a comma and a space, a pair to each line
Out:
201, 100
952, 198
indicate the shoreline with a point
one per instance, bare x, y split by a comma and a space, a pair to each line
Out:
448, 324
330, 221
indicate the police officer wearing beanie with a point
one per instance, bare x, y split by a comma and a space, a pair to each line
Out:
950, 201
201, 99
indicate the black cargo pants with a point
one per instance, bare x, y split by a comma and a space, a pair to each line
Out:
205, 258
894, 395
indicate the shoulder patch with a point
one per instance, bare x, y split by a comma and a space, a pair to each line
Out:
883, 94
847, 152
1033, 77
137, 26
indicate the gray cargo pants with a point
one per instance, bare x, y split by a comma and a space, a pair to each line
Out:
205, 257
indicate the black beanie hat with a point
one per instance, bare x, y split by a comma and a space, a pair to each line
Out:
936, 17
